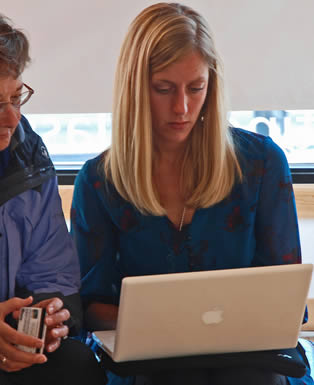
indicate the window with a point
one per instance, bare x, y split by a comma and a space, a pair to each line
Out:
71, 139
292, 130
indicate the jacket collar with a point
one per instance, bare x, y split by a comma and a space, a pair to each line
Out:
18, 137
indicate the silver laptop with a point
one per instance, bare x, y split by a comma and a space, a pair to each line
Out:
222, 311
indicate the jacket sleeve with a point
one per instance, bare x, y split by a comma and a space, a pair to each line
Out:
96, 240
50, 264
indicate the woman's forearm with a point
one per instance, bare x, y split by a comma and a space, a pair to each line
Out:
100, 316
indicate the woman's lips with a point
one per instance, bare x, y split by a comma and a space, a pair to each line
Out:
178, 125
5, 133
5, 136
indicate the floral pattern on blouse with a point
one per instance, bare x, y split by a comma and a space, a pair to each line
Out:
256, 225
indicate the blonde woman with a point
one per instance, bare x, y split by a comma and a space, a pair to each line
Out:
178, 190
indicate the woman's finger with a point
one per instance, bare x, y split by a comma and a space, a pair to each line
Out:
12, 336
14, 354
13, 304
11, 366
57, 318
51, 347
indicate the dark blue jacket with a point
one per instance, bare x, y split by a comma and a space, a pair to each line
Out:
37, 256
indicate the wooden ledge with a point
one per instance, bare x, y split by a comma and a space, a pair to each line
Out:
304, 195
66, 193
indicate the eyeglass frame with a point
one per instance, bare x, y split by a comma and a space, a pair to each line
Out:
30, 93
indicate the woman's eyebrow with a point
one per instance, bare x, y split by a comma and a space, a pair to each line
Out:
199, 79
163, 81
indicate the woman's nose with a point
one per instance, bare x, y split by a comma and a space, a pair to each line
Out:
180, 104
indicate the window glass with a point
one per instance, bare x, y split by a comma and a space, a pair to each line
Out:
292, 130
71, 139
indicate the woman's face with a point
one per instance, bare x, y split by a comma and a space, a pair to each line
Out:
9, 116
177, 95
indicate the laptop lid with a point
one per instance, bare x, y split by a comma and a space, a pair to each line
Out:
220, 311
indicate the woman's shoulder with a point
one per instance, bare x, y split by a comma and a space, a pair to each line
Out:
93, 169
259, 155
93, 174
252, 145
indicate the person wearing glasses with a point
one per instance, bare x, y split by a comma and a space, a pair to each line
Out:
38, 262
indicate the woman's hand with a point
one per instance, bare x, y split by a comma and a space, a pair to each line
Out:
12, 359
55, 317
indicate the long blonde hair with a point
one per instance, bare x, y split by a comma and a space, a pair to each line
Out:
160, 35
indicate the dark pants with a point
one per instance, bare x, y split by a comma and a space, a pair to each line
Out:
226, 376
73, 363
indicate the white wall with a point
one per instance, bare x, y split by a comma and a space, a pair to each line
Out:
267, 47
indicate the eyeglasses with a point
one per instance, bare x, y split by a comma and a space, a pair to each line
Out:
18, 100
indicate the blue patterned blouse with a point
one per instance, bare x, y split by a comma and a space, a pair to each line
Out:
256, 225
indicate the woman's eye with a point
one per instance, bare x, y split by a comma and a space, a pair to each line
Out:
162, 90
16, 99
194, 90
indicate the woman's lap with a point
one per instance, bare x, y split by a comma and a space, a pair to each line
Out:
230, 376
72, 363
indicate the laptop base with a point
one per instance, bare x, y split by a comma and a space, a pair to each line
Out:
287, 362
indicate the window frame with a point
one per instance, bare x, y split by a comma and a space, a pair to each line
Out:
299, 175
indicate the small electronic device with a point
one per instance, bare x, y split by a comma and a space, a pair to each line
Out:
32, 322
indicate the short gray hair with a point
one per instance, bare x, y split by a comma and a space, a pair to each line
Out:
14, 49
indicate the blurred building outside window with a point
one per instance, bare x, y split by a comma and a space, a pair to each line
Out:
72, 139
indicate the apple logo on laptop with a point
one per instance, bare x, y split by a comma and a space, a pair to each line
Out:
214, 316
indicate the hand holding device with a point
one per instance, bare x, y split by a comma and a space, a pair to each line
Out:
55, 316
12, 359
32, 322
